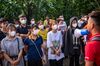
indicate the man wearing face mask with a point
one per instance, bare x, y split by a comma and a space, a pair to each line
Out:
72, 44
22, 31
16, 23
92, 48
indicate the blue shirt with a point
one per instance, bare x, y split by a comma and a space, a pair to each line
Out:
32, 53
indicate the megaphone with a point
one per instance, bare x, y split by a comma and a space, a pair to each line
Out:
80, 32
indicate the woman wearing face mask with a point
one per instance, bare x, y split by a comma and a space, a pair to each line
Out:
12, 48
33, 48
32, 22
43, 32
54, 44
72, 44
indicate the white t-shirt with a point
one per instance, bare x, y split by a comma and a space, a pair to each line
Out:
54, 39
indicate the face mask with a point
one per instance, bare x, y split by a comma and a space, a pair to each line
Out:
23, 21
74, 25
12, 33
35, 32
41, 26
16, 25
32, 22
55, 27
62, 18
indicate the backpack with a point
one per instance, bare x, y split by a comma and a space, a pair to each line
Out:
96, 38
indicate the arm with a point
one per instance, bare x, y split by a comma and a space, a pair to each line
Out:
89, 54
25, 49
61, 41
7, 57
3, 49
60, 46
49, 42
20, 55
88, 63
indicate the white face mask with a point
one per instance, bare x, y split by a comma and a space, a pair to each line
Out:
35, 32
74, 25
12, 33
55, 27
32, 22
62, 18
16, 25
41, 26
23, 21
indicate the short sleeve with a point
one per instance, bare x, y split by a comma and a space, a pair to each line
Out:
89, 51
3, 48
21, 44
26, 41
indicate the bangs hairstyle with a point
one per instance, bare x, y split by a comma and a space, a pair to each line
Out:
11, 27
95, 15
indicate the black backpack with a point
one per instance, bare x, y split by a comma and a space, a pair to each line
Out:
96, 38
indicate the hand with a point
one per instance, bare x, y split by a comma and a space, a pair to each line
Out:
12, 63
58, 53
16, 62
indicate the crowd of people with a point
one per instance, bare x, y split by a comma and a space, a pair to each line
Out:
49, 42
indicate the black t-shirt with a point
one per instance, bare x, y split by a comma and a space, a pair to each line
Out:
2, 35
22, 30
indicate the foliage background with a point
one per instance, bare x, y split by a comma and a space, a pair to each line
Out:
39, 9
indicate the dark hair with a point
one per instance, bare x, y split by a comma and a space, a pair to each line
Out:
11, 26
3, 20
95, 15
35, 26
22, 15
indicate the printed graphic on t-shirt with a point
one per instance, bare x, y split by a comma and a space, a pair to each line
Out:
55, 45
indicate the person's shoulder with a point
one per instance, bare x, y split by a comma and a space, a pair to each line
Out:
91, 44
19, 27
26, 40
50, 32
4, 39
59, 32
39, 36
18, 37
